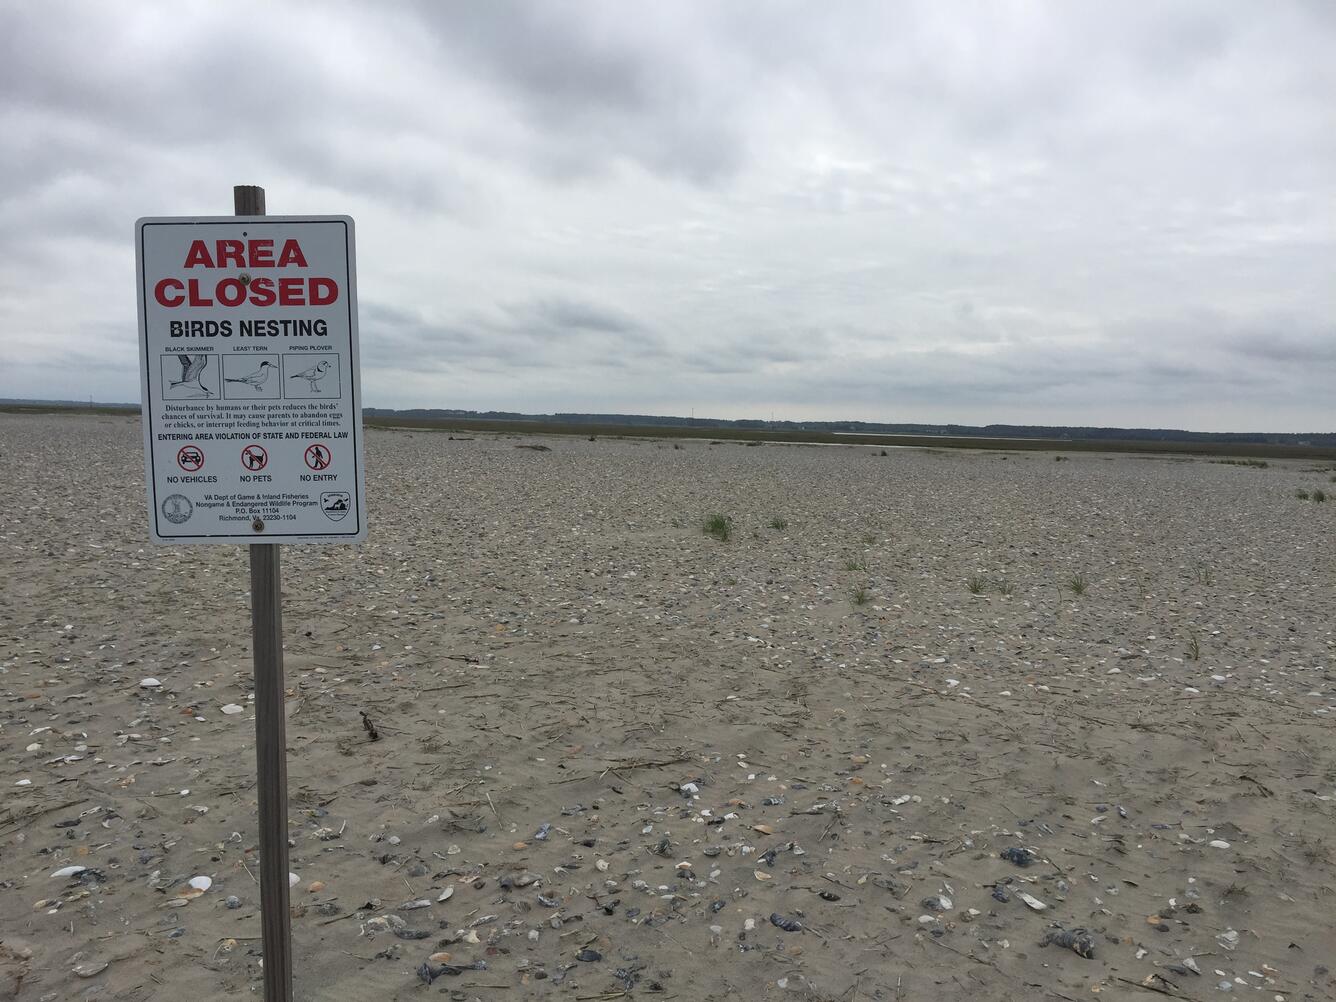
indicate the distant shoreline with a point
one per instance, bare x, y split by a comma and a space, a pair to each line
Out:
379, 418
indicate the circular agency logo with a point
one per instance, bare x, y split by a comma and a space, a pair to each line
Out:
176, 508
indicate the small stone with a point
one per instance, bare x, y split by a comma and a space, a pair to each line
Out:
1218, 843
588, 956
315, 887
69, 871
149, 683
91, 969
232, 902
232, 708
446, 894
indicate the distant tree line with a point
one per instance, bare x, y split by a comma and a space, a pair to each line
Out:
1055, 432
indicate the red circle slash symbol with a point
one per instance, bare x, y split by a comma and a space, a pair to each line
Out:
254, 458
190, 458
318, 456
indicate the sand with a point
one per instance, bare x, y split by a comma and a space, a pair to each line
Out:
715, 732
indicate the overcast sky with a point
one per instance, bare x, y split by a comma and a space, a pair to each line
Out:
1060, 212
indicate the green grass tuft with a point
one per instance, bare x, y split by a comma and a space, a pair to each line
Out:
1078, 584
860, 596
779, 522
720, 527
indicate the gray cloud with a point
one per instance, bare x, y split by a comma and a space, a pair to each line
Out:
931, 211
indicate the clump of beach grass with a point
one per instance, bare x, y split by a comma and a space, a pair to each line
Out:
720, 527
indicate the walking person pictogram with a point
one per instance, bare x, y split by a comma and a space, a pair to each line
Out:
318, 457
254, 458
190, 458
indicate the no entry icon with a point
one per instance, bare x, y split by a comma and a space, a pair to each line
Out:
318, 457
190, 458
254, 458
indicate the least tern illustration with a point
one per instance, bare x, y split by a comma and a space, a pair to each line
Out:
256, 378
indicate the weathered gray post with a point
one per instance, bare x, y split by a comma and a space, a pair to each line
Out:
271, 760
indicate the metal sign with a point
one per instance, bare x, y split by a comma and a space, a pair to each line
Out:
252, 408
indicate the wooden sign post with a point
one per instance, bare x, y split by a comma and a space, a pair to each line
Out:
271, 758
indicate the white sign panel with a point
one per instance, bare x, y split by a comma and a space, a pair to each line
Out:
252, 405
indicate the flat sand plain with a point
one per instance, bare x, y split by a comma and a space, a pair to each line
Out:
621, 745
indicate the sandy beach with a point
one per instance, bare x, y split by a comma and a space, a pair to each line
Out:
621, 758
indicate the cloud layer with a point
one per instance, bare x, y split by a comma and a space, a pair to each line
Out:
1079, 213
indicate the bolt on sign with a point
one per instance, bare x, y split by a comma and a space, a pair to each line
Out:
252, 406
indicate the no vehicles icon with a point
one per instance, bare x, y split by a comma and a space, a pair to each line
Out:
318, 457
190, 458
254, 458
